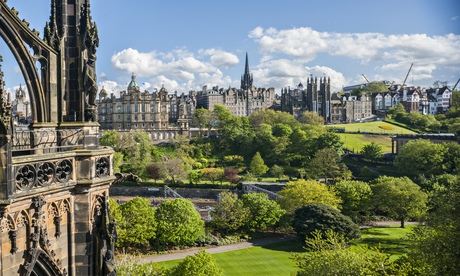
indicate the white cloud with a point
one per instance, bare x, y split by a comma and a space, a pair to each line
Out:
178, 69
391, 53
221, 58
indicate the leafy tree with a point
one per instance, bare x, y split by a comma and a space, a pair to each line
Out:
231, 175
399, 198
229, 215
318, 217
264, 212
174, 168
202, 118
213, 174
277, 171
179, 223
257, 166
329, 255
116, 215
155, 171
372, 151
234, 160
282, 130
194, 176
420, 157
139, 223
452, 158
311, 118
356, 198
329, 140
117, 161
302, 192
201, 264
370, 88
130, 267
327, 164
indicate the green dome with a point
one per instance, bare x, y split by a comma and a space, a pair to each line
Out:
133, 84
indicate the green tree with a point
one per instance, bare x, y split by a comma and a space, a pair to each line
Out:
139, 223
174, 168
213, 174
302, 192
202, 118
372, 151
257, 165
329, 140
452, 158
194, 176
201, 264
117, 161
179, 223
329, 255
311, 118
264, 212
399, 198
327, 164
356, 198
420, 157
312, 218
116, 215
277, 171
229, 215
156, 171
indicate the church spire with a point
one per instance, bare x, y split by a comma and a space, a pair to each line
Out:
246, 79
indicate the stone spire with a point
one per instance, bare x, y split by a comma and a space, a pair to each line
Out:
5, 105
246, 79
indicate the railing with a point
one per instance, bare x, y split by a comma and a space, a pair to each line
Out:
170, 192
47, 140
250, 188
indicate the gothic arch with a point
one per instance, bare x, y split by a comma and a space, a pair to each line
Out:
15, 34
41, 265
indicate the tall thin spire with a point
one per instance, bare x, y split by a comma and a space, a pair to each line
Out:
246, 79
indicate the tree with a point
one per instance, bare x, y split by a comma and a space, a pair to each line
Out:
194, 176
174, 168
329, 255
264, 212
399, 198
117, 161
139, 223
311, 118
356, 197
116, 216
420, 157
277, 171
313, 218
329, 140
213, 174
155, 171
202, 118
301, 192
452, 158
179, 223
327, 164
201, 264
257, 166
229, 215
231, 175
372, 151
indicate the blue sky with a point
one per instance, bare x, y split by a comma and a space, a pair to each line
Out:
187, 44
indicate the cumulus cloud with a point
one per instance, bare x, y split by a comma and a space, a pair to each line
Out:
284, 72
429, 53
178, 69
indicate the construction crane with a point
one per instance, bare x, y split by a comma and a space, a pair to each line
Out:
364, 76
404, 83
455, 86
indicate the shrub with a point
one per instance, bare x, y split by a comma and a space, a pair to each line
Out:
139, 222
264, 212
356, 197
229, 215
179, 223
201, 264
319, 217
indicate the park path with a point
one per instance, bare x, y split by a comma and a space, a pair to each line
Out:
178, 255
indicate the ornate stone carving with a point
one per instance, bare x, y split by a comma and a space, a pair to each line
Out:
5, 107
45, 174
25, 177
64, 171
102, 166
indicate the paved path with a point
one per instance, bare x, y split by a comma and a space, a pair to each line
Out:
213, 250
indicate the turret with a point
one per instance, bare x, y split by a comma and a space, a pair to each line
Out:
246, 79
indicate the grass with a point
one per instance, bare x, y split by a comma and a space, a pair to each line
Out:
275, 259
390, 240
355, 142
374, 127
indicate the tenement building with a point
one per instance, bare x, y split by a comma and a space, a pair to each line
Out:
54, 176
241, 102
316, 97
161, 114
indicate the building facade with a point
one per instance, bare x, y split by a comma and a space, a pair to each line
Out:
160, 113
54, 176
241, 102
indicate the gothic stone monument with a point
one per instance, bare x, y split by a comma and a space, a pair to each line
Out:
54, 176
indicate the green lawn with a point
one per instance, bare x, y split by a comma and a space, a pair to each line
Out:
275, 259
374, 127
355, 142
390, 240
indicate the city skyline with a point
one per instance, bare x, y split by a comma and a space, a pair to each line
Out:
184, 45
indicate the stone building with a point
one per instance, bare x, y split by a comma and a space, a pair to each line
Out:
20, 107
241, 102
54, 176
159, 113
316, 97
